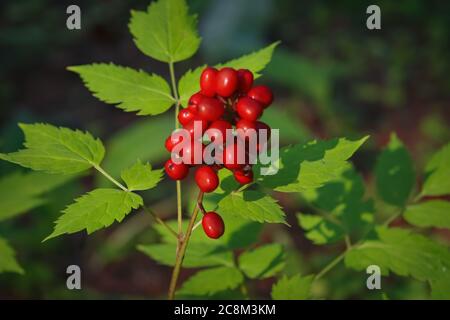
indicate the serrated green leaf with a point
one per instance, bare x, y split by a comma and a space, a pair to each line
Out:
343, 207
319, 230
311, 165
57, 150
197, 255
262, 262
20, 192
294, 288
253, 205
212, 280
438, 174
8, 262
434, 213
403, 253
255, 62
141, 176
95, 210
165, 32
122, 153
394, 173
132, 90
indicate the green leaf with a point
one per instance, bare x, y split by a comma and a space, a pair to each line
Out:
8, 262
394, 173
311, 165
262, 262
95, 210
437, 182
132, 143
255, 62
403, 253
346, 211
197, 255
131, 90
212, 280
295, 288
141, 176
434, 213
440, 287
253, 205
165, 32
20, 192
57, 150
320, 230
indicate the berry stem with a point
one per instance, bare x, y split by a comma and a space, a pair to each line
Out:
182, 244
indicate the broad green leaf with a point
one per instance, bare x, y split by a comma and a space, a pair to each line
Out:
440, 287
262, 262
133, 143
434, 213
403, 253
166, 31
438, 174
345, 210
394, 173
8, 262
311, 165
197, 255
20, 192
212, 280
294, 288
141, 176
131, 90
320, 230
253, 205
95, 210
57, 150
255, 62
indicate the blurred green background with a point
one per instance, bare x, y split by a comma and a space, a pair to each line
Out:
331, 77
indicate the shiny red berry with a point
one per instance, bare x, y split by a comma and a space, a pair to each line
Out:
185, 116
190, 126
245, 80
208, 81
226, 82
192, 153
246, 126
210, 109
195, 98
176, 171
249, 109
213, 225
172, 142
262, 94
206, 178
243, 177
229, 157
220, 128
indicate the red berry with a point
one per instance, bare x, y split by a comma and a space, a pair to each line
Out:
208, 82
195, 98
176, 171
213, 225
249, 109
226, 82
172, 142
243, 177
206, 178
262, 94
261, 125
245, 126
185, 116
210, 109
191, 125
245, 78
221, 127
229, 156
191, 151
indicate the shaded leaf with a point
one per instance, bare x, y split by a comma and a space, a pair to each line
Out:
8, 262
262, 262
438, 174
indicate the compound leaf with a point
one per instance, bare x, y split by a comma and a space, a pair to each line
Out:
141, 176
294, 288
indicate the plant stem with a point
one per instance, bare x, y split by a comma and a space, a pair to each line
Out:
117, 183
330, 266
178, 183
159, 220
182, 244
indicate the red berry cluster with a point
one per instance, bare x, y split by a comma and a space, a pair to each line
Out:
227, 98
